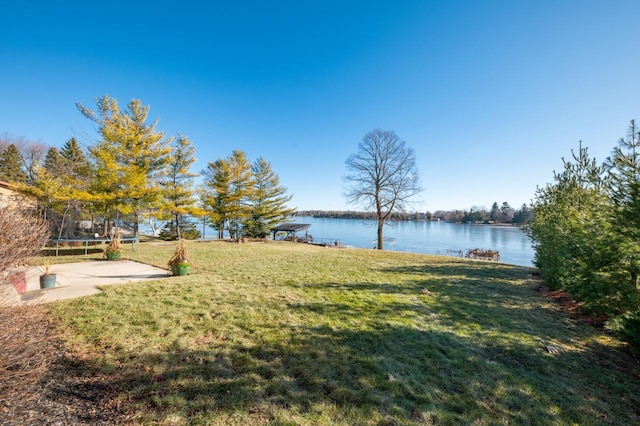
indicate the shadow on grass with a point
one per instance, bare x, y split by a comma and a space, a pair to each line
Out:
487, 299
71, 251
471, 349
396, 375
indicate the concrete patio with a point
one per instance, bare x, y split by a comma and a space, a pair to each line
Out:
83, 278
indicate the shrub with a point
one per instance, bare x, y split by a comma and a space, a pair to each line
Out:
23, 233
627, 326
188, 231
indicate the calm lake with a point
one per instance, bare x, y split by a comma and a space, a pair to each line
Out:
426, 237
417, 237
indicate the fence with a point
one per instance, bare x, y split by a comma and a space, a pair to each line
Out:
87, 242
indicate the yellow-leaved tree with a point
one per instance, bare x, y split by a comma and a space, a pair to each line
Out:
129, 158
179, 198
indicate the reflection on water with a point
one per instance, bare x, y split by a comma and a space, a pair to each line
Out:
428, 237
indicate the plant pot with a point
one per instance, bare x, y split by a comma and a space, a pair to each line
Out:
18, 279
180, 268
47, 281
112, 255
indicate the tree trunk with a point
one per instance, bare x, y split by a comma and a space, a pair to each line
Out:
178, 233
136, 227
380, 240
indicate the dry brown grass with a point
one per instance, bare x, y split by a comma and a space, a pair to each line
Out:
26, 349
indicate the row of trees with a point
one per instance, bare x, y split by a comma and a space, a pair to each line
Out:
503, 213
498, 214
586, 233
134, 169
243, 198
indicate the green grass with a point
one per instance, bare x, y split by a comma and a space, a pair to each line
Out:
285, 333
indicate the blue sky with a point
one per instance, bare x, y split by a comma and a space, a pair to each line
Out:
490, 94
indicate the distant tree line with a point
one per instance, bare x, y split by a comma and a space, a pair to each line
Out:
135, 172
502, 213
498, 214
370, 215
586, 234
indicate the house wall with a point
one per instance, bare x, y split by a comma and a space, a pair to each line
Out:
7, 196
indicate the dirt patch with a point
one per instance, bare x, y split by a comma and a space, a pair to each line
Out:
570, 306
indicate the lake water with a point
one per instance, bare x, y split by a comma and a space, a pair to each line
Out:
426, 237
417, 237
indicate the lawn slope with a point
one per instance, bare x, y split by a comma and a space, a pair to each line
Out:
286, 333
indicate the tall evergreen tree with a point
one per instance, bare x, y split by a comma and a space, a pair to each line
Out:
586, 230
179, 197
572, 237
76, 163
240, 191
129, 158
268, 200
53, 161
523, 216
12, 165
217, 193
623, 167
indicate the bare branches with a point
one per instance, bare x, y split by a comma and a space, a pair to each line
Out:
383, 175
22, 232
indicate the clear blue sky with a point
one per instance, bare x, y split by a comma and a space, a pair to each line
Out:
490, 94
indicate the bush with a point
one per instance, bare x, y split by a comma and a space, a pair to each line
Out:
23, 233
188, 231
627, 326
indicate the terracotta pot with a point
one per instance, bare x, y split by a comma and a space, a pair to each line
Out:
18, 279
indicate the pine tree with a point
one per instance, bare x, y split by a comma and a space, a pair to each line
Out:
624, 186
268, 201
229, 189
240, 191
216, 194
179, 197
129, 158
76, 163
53, 162
12, 165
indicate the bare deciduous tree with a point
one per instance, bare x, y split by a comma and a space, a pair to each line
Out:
383, 176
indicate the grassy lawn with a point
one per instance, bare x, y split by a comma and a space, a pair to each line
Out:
286, 333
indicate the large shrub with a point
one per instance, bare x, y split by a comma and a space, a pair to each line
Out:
586, 233
25, 337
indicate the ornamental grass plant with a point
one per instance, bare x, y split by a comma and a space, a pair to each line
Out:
285, 333
181, 254
113, 249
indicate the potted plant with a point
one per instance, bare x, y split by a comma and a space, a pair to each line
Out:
179, 262
112, 252
18, 279
48, 278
